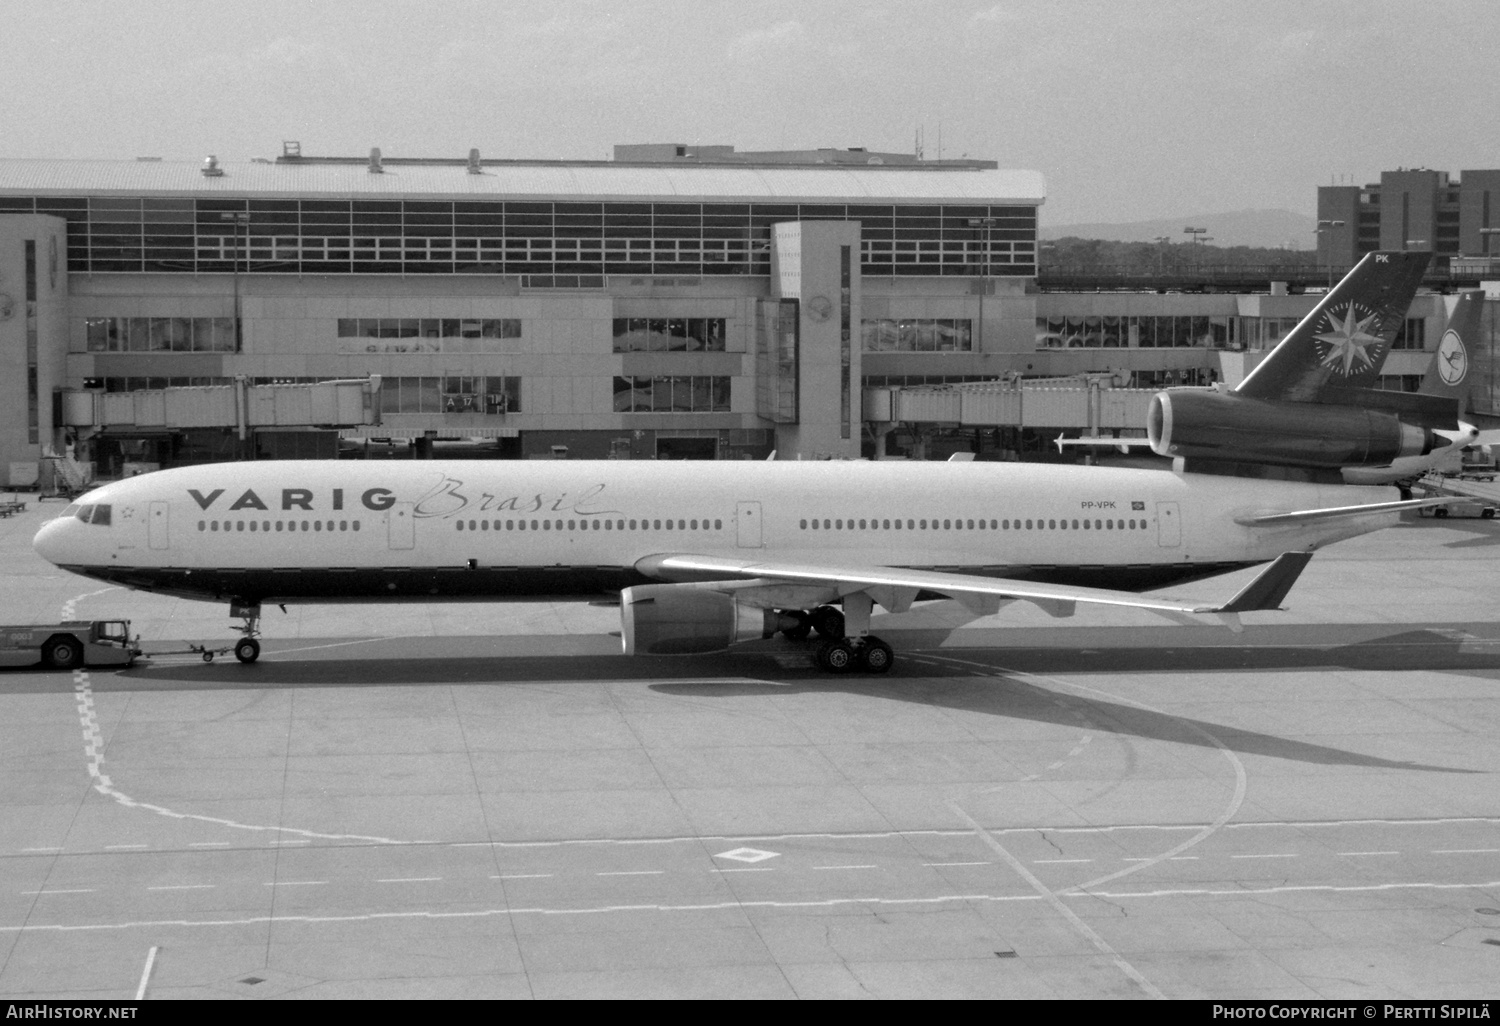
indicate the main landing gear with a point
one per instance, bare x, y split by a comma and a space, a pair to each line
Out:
247, 649
846, 644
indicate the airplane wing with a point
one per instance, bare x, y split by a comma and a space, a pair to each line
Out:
1306, 516
1266, 591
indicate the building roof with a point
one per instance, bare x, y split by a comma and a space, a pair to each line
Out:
520, 180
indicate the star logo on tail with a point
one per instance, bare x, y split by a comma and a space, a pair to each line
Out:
1349, 341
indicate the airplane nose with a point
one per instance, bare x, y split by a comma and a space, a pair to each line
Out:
49, 542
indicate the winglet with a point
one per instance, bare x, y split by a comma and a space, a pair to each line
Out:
1268, 589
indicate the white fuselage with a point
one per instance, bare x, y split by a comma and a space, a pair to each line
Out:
352, 530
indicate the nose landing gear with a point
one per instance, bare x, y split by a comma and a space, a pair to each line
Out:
247, 649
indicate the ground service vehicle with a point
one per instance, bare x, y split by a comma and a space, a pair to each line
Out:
66, 646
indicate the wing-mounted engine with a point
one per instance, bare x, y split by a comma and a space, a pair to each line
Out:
1226, 427
684, 619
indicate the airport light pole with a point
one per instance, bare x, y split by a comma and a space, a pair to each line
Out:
1323, 228
1197, 236
241, 219
987, 223
1162, 241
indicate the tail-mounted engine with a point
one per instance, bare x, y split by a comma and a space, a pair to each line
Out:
681, 619
1223, 426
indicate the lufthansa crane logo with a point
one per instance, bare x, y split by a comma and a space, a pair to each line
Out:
1348, 340
1452, 358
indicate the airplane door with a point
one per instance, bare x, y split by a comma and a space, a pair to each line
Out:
157, 523
747, 524
1168, 525
402, 526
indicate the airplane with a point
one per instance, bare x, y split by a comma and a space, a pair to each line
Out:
706, 555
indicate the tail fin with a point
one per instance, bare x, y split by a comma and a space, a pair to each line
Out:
1343, 342
1450, 374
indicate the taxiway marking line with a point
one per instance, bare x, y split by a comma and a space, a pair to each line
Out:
1043, 892
122, 847
76, 890
523, 876
634, 872
1464, 851
140, 992
40, 850
1353, 853
295, 883
942, 864
719, 906
745, 869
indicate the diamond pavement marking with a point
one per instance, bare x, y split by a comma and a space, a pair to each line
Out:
748, 855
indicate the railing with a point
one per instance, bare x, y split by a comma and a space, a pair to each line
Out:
1226, 277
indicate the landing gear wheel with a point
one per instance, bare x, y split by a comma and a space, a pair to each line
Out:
208, 657
836, 656
875, 656
247, 650
63, 654
803, 627
1487, 514
828, 622
1441, 512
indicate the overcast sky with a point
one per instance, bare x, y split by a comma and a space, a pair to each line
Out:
1132, 109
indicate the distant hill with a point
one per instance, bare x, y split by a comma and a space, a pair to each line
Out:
1270, 229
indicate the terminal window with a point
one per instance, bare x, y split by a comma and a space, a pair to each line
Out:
918, 335
669, 334
342, 236
695, 394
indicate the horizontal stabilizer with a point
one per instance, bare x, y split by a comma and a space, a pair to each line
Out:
1269, 589
1307, 516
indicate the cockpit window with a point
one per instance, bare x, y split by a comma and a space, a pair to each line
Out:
86, 513
71, 510
98, 515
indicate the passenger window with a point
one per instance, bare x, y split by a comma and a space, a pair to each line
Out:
202, 525
356, 525
1132, 525
947, 525
1028, 525
885, 525
922, 524
718, 525
304, 525
343, 525
1075, 525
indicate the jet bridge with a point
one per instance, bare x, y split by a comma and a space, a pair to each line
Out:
241, 405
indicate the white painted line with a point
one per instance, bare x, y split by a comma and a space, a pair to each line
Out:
1464, 851
1353, 853
747, 869
1183, 858
1051, 862
208, 844
1287, 855
140, 992
843, 867
80, 890
1139, 860
296, 883
410, 879
634, 872
280, 841
937, 865
41, 849
183, 887
523, 876
122, 847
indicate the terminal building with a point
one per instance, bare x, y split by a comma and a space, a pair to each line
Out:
1413, 208
675, 302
